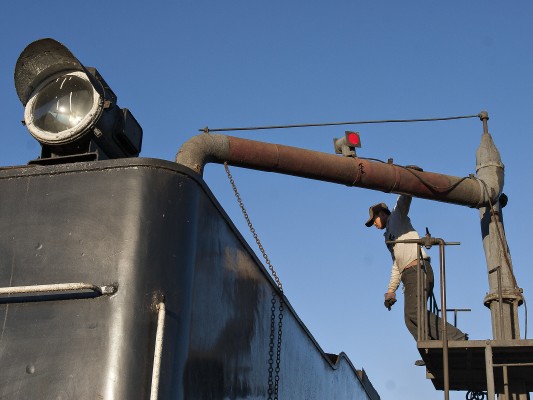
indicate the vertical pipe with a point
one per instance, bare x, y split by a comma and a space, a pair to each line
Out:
484, 116
505, 382
500, 300
489, 371
490, 172
158, 351
424, 304
445, 363
420, 331
424, 312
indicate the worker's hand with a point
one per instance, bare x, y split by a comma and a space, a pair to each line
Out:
390, 299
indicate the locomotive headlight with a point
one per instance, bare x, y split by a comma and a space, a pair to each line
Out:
70, 109
63, 108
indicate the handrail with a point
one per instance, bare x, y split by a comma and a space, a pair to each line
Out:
59, 287
156, 371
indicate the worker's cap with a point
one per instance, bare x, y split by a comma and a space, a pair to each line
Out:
374, 211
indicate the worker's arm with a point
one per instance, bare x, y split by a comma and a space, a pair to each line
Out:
390, 295
395, 278
403, 204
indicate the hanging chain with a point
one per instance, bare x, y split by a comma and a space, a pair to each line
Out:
271, 347
241, 204
273, 379
278, 350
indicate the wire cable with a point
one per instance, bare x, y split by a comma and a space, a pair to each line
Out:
383, 121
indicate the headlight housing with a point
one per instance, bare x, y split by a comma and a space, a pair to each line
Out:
70, 109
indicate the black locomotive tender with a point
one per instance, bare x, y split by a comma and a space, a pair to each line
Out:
123, 277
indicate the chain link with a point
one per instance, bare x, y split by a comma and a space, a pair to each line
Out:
472, 395
273, 373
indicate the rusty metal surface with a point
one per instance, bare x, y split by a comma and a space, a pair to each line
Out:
358, 172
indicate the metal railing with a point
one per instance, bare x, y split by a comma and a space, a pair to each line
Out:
422, 311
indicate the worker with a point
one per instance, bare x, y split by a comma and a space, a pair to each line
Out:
397, 226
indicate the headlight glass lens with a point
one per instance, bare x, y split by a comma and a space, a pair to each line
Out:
62, 104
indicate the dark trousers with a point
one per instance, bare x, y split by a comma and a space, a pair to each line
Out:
434, 323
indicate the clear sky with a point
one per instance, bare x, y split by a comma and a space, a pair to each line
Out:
182, 65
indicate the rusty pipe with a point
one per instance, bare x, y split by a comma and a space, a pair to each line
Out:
357, 172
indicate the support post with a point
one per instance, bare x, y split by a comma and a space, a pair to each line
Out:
489, 369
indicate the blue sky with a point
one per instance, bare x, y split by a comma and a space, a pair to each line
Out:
182, 65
